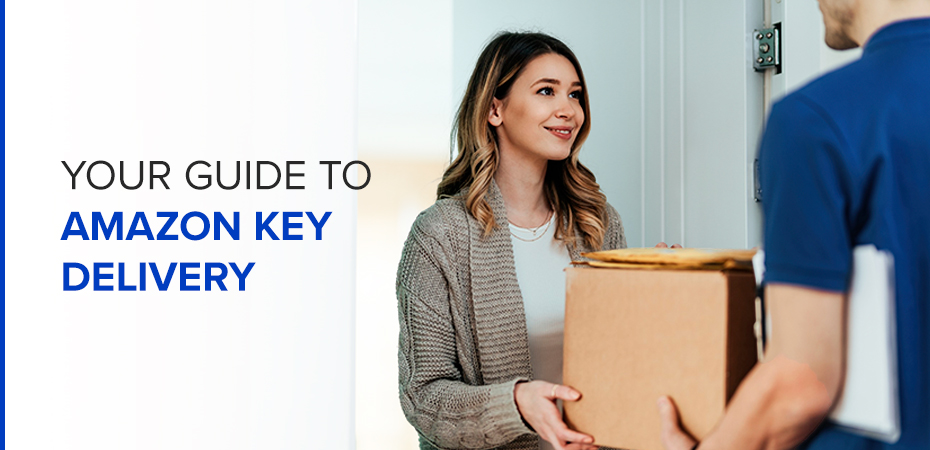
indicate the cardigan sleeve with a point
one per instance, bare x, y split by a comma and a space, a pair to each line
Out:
615, 237
446, 411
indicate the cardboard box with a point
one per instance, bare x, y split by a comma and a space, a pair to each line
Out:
632, 336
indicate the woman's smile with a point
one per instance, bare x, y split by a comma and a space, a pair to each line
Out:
561, 132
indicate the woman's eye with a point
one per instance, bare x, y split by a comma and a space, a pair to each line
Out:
545, 91
575, 95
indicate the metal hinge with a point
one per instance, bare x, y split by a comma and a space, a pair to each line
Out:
767, 48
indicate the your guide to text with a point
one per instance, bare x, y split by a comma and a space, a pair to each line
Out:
200, 175
192, 225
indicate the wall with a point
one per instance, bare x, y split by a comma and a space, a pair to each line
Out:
404, 119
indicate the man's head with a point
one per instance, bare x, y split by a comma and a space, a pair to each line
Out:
838, 18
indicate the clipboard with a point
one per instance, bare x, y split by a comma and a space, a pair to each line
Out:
869, 403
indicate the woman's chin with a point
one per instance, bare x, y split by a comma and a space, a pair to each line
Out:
560, 156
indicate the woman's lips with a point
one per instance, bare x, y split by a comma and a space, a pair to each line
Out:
560, 132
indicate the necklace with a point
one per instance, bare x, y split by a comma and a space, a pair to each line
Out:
537, 232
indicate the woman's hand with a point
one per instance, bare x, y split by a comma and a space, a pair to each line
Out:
536, 403
664, 245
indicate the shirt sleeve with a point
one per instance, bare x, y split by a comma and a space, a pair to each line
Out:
806, 191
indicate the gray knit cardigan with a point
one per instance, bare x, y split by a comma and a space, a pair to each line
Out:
463, 340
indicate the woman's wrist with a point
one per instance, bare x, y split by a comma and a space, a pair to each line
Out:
520, 384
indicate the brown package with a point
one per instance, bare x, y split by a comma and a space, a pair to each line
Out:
632, 336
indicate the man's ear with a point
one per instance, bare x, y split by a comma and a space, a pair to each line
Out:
495, 118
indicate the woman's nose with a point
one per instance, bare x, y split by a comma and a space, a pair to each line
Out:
565, 111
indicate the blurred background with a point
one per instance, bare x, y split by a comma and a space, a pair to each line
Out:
405, 100
676, 112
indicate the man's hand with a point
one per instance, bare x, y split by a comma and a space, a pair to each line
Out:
673, 437
785, 397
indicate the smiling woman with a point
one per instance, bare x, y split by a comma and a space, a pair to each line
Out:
480, 288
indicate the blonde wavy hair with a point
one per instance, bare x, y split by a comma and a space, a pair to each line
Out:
570, 187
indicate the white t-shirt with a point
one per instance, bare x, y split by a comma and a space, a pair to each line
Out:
540, 261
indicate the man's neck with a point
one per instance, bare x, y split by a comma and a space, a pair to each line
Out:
871, 16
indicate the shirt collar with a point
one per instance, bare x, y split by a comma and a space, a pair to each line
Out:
907, 31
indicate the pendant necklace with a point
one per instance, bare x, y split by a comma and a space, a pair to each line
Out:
536, 232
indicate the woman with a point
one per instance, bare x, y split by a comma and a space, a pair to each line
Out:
480, 286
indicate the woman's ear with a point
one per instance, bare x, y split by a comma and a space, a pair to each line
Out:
495, 118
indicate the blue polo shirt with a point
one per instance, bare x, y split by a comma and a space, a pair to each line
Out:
845, 161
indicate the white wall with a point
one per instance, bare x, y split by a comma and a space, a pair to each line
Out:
405, 115
405, 76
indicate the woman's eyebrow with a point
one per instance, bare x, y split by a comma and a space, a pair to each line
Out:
553, 81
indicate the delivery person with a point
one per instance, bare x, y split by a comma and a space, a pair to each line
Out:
845, 161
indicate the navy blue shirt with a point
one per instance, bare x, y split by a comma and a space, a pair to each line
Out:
845, 161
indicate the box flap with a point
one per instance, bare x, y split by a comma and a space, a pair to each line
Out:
671, 258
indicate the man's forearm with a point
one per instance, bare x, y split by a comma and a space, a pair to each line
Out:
778, 404
785, 398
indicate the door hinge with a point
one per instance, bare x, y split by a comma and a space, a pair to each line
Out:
767, 48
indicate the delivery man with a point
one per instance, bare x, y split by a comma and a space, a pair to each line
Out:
845, 161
